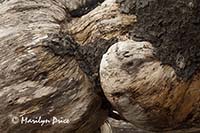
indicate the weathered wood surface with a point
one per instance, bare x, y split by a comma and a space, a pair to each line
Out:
38, 77
45, 72
104, 22
36, 82
147, 93
156, 85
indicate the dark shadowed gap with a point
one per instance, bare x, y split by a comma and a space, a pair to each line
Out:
90, 4
88, 57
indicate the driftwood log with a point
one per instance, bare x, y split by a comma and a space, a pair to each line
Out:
44, 72
51, 64
155, 85
147, 93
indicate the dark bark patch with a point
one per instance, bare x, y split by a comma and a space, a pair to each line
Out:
88, 57
173, 27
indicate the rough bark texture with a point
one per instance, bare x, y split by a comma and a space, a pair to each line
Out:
146, 93
173, 27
